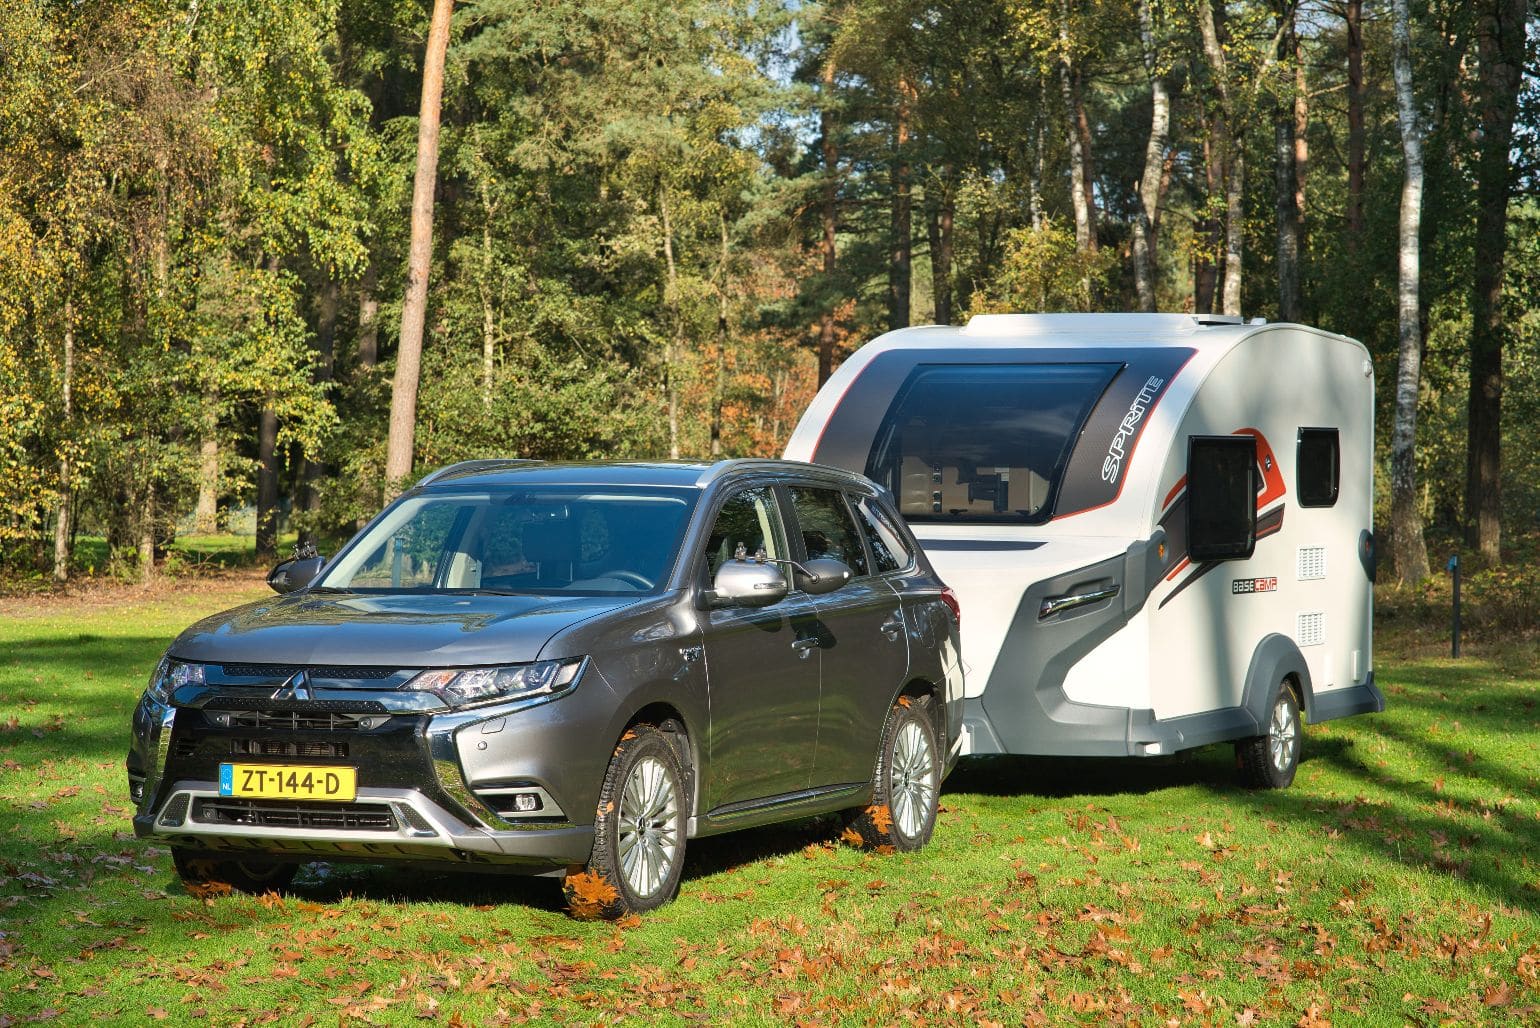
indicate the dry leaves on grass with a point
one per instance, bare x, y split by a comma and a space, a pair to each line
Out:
589, 895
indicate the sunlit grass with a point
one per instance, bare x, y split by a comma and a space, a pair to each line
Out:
1396, 882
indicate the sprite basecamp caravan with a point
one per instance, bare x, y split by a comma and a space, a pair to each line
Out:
1159, 527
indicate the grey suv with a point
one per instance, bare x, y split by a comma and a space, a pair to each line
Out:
563, 669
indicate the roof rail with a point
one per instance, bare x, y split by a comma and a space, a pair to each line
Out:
734, 464
473, 465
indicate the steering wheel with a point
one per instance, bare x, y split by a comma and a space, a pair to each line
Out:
630, 577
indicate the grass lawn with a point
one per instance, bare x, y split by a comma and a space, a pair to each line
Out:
1397, 882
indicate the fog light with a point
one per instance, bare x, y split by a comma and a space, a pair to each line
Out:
525, 802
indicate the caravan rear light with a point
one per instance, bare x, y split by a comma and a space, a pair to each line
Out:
949, 598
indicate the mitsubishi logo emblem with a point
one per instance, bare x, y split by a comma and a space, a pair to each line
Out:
296, 688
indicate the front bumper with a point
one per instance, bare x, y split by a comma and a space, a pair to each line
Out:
433, 786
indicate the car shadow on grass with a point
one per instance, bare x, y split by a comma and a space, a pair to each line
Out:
323, 882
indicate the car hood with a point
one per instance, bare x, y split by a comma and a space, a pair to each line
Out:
373, 630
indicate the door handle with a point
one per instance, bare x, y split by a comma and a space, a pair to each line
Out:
892, 627
804, 646
1058, 604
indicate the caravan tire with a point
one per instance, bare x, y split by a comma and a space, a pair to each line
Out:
1269, 761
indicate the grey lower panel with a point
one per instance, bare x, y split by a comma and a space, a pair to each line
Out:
1355, 699
1126, 732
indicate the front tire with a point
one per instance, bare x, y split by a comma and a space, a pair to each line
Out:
1269, 761
255, 875
638, 852
906, 787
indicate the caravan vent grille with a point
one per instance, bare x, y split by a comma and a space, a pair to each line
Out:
1311, 629
1312, 563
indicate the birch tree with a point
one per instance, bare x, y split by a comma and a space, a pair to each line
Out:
1409, 555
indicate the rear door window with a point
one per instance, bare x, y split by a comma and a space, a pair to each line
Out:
827, 527
887, 546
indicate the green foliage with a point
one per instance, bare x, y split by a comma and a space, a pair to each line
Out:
1043, 271
210, 200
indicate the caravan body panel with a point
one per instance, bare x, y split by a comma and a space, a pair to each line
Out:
1041, 460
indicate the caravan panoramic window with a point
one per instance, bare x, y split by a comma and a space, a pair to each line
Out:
983, 443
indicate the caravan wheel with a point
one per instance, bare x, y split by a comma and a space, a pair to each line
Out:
1269, 761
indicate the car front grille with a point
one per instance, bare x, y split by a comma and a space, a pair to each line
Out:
310, 719
348, 817
286, 748
330, 672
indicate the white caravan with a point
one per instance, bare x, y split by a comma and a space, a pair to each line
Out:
1159, 527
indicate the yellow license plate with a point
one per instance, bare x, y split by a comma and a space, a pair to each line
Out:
288, 782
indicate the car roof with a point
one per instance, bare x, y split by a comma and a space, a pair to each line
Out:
680, 473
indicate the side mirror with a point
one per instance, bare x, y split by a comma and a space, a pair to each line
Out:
295, 574
747, 583
823, 575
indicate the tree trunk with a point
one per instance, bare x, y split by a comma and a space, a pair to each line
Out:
369, 318
315, 469
1286, 186
676, 330
414, 307
484, 286
1039, 160
719, 385
1301, 141
1355, 120
1235, 229
1085, 229
267, 482
62, 536
1147, 216
1409, 554
206, 514
901, 240
147, 532
1206, 231
830, 197
1231, 160
942, 220
1500, 44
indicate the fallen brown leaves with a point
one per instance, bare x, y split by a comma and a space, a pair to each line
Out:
590, 895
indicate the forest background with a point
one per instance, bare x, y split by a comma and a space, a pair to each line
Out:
657, 227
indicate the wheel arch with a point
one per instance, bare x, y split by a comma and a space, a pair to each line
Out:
1276, 659
671, 721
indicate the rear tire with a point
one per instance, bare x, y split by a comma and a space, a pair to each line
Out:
1269, 761
638, 852
907, 782
254, 875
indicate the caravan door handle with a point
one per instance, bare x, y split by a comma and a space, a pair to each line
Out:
1059, 604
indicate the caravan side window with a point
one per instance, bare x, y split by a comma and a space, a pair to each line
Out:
1221, 497
1317, 467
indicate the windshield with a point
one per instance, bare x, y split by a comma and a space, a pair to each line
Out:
586, 541
983, 443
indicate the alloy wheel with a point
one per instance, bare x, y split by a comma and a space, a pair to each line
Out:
649, 827
1281, 734
913, 779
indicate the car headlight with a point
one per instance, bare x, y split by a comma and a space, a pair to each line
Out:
474, 686
169, 676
